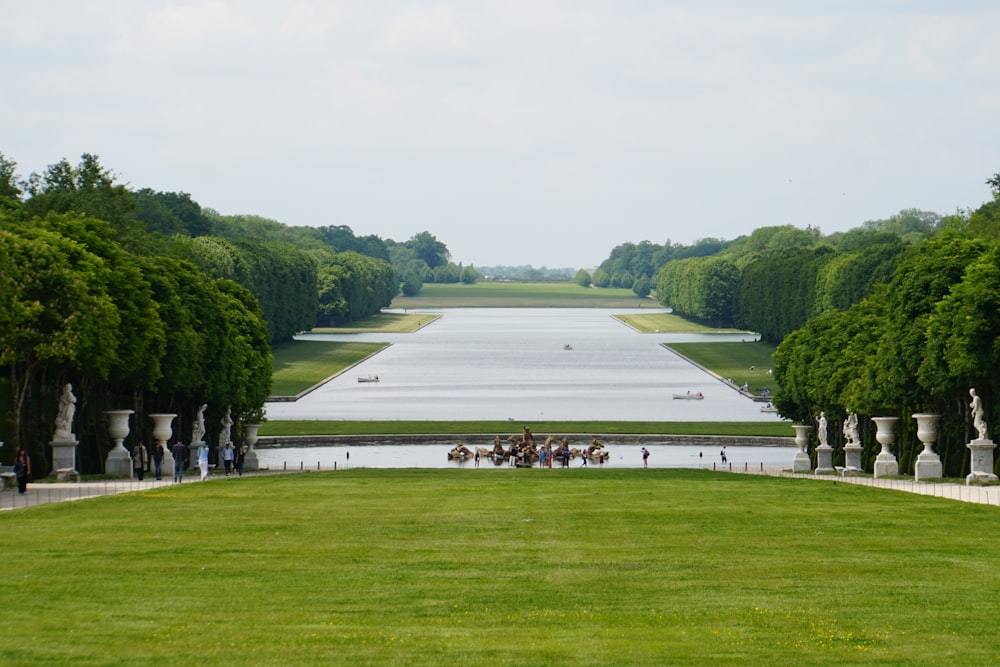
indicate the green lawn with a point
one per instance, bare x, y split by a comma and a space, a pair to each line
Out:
734, 360
383, 323
521, 295
666, 323
502, 567
300, 364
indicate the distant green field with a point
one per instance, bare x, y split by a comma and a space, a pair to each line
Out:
521, 295
383, 323
734, 360
306, 427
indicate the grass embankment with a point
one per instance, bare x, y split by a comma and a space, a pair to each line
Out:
503, 567
521, 295
384, 323
278, 428
299, 365
742, 362
667, 323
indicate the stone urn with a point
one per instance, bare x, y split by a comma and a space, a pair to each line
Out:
928, 465
250, 462
163, 430
118, 460
801, 462
885, 434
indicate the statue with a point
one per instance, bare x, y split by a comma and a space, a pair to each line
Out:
978, 421
227, 425
64, 417
851, 429
198, 429
821, 430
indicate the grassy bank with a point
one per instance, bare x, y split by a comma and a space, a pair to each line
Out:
298, 365
743, 362
278, 428
503, 567
521, 295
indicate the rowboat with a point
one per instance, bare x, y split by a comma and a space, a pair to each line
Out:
368, 378
690, 397
768, 408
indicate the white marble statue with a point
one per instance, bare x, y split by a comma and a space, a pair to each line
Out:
978, 420
64, 417
198, 429
227, 425
851, 429
821, 430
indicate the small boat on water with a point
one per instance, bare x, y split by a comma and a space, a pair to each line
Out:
768, 408
567, 346
368, 378
690, 396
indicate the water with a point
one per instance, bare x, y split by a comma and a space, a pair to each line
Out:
510, 364
436, 456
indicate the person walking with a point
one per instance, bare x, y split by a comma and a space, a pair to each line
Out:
645, 457
180, 454
22, 471
140, 459
203, 460
158, 461
241, 457
227, 457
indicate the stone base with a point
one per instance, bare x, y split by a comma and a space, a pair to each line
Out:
928, 467
886, 465
982, 461
824, 460
801, 463
250, 461
64, 454
118, 462
852, 456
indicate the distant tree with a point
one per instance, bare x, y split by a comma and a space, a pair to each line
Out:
469, 275
412, 284
426, 247
641, 287
583, 278
601, 278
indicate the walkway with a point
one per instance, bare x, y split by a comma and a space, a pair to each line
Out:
983, 495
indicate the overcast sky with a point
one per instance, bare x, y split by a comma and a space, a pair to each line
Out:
541, 132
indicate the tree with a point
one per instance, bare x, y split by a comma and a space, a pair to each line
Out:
641, 287
426, 247
583, 278
469, 275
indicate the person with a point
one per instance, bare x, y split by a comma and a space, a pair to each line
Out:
158, 461
241, 457
477, 457
722, 455
645, 457
203, 460
64, 417
583, 457
977, 415
227, 457
140, 459
180, 454
565, 453
22, 471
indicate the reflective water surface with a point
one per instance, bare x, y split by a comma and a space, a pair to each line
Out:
512, 364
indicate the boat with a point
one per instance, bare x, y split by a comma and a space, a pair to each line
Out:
567, 346
768, 408
690, 397
368, 378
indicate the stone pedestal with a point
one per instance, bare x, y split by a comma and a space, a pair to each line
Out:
118, 460
928, 465
64, 455
250, 461
852, 457
885, 463
824, 460
801, 462
982, 461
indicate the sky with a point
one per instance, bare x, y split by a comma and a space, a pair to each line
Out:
517, 132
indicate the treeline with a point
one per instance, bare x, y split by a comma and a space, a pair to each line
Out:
145, 300
775, 279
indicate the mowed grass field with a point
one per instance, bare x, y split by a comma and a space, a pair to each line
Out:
301, 364
742, 362
521, 295
502, 567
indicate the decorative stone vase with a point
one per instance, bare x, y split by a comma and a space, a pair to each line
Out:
885, 462
801, 463
118, 460
250, 462
163, 430
928, 465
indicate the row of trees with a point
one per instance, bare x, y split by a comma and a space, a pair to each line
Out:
917, 343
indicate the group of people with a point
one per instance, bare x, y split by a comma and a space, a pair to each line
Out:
232, 459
